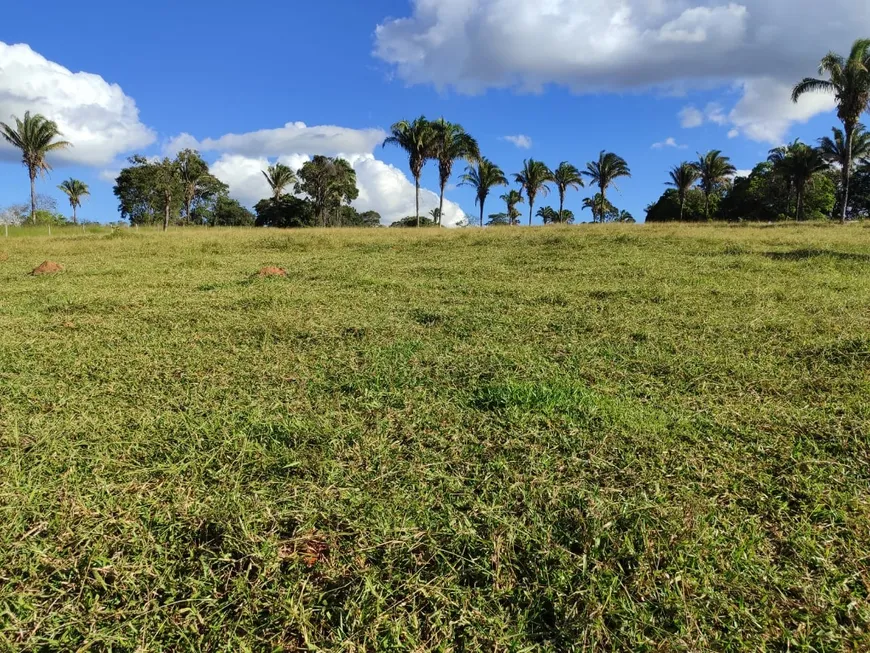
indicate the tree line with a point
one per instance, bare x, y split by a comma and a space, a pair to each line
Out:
797, 181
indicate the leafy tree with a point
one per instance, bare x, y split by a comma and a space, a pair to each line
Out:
498, 220
511, 199
228, 212
416, 139
450, 143
860, 192
714, 172
566, 176
603, 173
626, 217
683, 178
279, 176
533, 179
350, 217
286, 211
139, 191
167, 183
849, 80
75, 190
414, 221
198, 185
668, 207
483, 178
35, 136
329, 182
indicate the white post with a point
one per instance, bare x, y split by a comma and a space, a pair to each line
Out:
49, 229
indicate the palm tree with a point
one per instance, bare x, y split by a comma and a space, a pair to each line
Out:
605, 172
416, 139
566, 176
279, 177
778, 156
548, 215
511, 199
533, 179
35, 137
833, 148
482, 179
75, 190
714, 171
451, 142
683, 177
849, 81
803, 163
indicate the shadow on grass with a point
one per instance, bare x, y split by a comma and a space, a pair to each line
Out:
808, 253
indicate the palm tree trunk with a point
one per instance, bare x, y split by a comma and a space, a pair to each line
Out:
441, 203
33, 196
481, 213
682, 204
707, 205
847, 170
75, 219
561, 205
417, 183
166, 213
531, 208
187, 211
603, 204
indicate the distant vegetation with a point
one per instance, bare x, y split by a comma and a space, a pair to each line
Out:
797, 182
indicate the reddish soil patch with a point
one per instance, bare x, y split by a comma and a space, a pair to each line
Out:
47, 267
271, 271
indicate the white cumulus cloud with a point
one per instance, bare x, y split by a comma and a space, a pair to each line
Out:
93, 114
520, 140
668, 142
607, 45
328, 140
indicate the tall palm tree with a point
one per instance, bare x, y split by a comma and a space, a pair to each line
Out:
511, 199
450, 142
415, 138
279, 176
803, 163
75, 190
566, 176
833, 148
849, 81
778, 156
35, 137
605, 172
533, 179
683, 177
714, 171
482, 179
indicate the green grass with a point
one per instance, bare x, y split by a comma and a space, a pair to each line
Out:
586, 438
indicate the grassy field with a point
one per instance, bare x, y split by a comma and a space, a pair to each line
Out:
587, 438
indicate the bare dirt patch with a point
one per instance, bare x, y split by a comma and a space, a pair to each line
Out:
272, 271
47, 267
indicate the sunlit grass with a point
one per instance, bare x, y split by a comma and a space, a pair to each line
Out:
630, 438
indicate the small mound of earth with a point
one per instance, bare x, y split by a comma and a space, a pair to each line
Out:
271, 271
47, 267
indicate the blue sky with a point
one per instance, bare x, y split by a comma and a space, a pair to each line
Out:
573, 76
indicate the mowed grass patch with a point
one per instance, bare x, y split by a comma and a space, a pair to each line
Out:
617, 438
